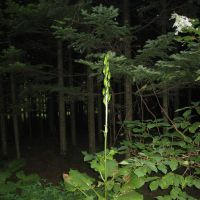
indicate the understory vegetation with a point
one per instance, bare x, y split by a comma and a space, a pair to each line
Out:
167, 162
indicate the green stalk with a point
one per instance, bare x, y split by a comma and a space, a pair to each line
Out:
106, 100
105, 144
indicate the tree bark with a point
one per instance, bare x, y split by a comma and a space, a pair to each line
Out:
72, 104
176, 102
14, 115
3, 123
113, 114
61, 100
51, 115
164, 30
100, 120
128, 84
91, 119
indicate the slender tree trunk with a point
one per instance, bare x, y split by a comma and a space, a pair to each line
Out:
51, 117
30, 124
3, 123
14, 115
61, 101
165, 105
72, 104
164, 30
100, 120
189, 96
128, 84
113, 117
176, 102
41, 116
91, 119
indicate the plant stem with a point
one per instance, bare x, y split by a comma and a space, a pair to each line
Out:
106, 100
105, 144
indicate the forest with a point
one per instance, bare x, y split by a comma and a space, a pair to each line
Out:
99, 100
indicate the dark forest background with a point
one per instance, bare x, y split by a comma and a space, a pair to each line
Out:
51, 72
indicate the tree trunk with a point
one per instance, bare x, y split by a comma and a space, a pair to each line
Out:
30, 124
14, 115
128, 84
100, 120
189, 96
164, 30
3, 123
91, 119
113, 118
176, 102
72, 104
165, 105
51, 115
61, 101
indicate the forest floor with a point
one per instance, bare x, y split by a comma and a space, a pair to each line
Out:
43, 158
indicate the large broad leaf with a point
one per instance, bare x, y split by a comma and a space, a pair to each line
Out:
194, 127
87, 156
162, 168
187, 113
196, 183
167, 180
154, 185
134, 183
141, 171
99, 166
173, 164
112, 167
76, 180
133, 195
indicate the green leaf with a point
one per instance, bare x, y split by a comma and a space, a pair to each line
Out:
137, 182
76, 180
166, 197
198, 107
151, 125
162, 168
151, 165
89, 198
112, 167
196, 183
87, 156
194, 127
175, 192
167, 180
187, 113
133, 195
197, 139
134, 183
173, 164
141, 171
154, 185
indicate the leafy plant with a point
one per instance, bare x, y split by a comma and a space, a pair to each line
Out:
16, 185
167, 160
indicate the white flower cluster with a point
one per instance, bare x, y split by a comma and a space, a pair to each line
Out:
181, 22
